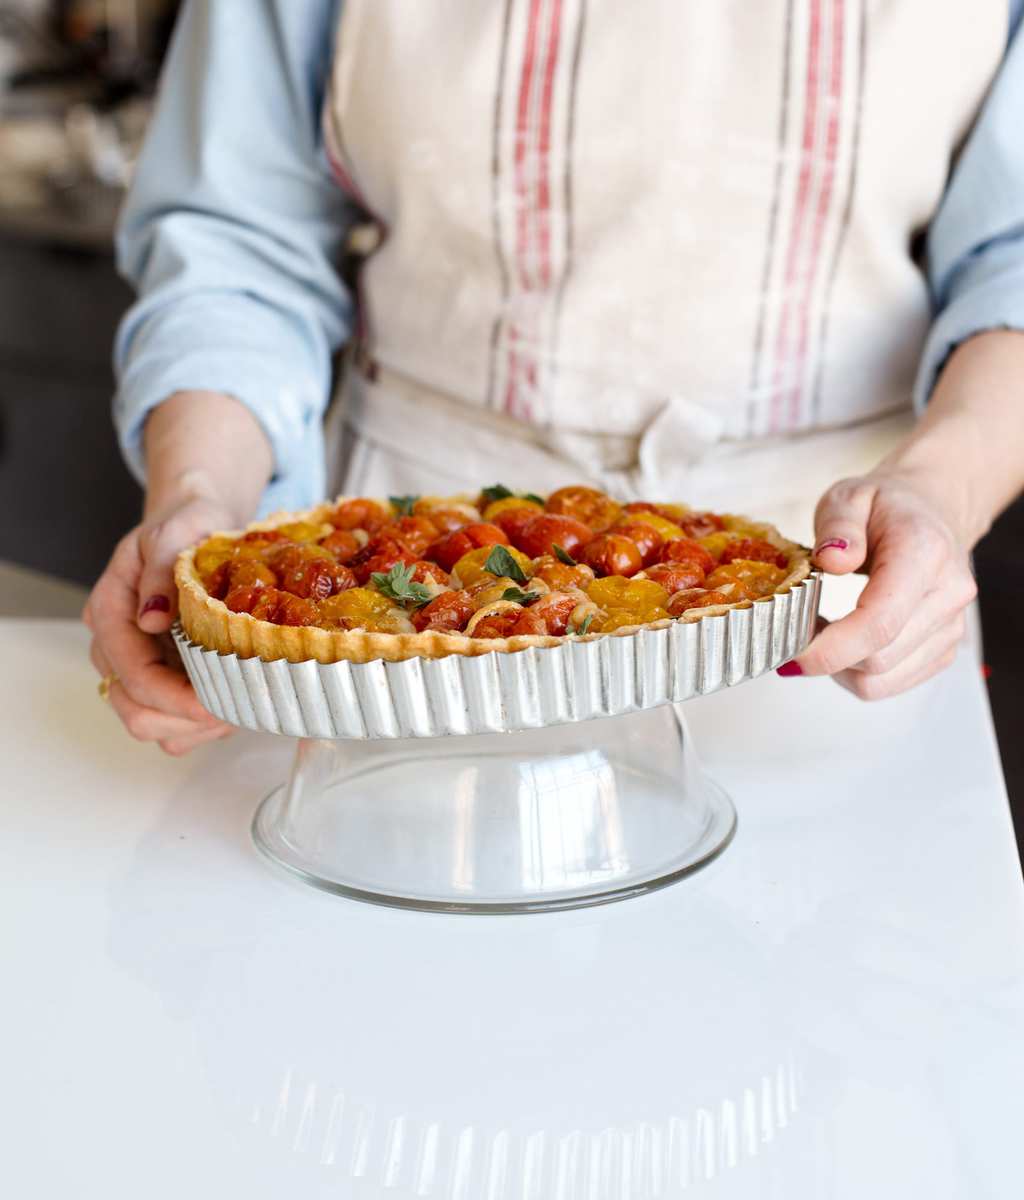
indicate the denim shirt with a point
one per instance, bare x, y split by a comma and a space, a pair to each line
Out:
234, 224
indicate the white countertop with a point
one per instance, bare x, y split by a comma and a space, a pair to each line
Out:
832, 1009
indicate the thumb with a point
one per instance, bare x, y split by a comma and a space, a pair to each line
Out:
840, 526
158, 595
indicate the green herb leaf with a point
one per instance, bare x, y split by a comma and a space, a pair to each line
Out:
498, 492
563, 555
403, 504
520, 597
534, 497
584, 625
399, 585
500, 562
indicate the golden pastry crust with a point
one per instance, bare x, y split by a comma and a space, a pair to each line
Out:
210, 623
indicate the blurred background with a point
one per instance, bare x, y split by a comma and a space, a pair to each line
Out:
77, 78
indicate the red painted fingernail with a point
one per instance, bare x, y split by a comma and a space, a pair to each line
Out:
156, 604
832, 544
787, 670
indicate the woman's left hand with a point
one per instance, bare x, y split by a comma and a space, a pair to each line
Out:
910, 617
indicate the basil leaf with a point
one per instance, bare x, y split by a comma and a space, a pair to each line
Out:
520, 597
403, 504
500, 562
399, 585
563, 555
534, 497
498, 492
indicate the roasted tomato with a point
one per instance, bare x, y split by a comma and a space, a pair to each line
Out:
513, 521
424, 571
753, 549
212, 553
699, 524
444, 520
359, 514
470, 568
366, 562
627, 602
559, 576
243, 599
553, 611
510, 504
760, 578
317, 579
513, 621
676, 576
259, 543
447, 612
342, 544
239, 572
613, 554
450, 548
282, 608
698, 597
647, 538
304, 532
686, 550
586, 504
411, 533
361, 608
543, 534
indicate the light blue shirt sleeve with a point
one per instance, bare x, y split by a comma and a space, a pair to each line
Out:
976, 240
232, 231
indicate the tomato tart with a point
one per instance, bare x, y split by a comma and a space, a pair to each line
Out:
424, 576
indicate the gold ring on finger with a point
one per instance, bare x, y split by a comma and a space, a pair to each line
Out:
105, 684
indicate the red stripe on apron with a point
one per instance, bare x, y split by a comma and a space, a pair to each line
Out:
807, 148
821, 213
516, 405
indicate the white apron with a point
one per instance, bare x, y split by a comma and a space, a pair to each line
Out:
663, 247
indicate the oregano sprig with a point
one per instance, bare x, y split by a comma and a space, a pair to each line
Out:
563, 555
403, 505
399, 585
519, 596
501, 563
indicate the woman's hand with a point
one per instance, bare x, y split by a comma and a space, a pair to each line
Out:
207, 461
132, 604
910, 618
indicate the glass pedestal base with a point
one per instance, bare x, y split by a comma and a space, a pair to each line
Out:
562, 817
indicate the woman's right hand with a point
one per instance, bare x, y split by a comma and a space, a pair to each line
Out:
132, 605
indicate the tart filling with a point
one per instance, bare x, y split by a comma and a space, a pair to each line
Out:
424, 576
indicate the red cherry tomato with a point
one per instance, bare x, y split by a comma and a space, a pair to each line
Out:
613, 554
513, 521
342, 544
586, 504
647, 538
543, 533
699, 524
359, 514
450, 548
686, 550
677, 576
448, 612
697, 598
754, 549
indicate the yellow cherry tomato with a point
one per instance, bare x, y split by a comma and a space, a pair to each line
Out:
635, 595
470, 567
663, 525
507, 502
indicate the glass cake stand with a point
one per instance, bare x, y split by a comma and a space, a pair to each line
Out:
554, 777
567, 816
